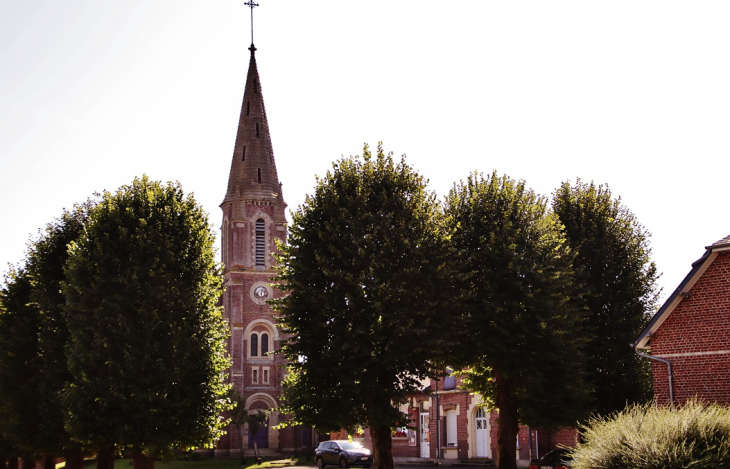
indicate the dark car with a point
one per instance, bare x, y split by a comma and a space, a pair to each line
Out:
555, 459
343, 453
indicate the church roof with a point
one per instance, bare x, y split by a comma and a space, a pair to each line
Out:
253, 168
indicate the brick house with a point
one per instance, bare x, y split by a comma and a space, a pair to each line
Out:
448, 424
689, 337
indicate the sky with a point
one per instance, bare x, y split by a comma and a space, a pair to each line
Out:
631, 94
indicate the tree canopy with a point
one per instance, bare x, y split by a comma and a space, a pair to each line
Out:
147, 346
363, 272
32, 301
515, 283
19, 365
614, 268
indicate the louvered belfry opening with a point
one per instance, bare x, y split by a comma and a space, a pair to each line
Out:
260, 243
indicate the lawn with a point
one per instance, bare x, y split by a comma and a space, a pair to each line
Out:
208, 463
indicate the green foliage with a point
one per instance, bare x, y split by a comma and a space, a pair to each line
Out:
19, 364
239, 415
147, 342
695, 435
238, 411
45, 263
364, 275
256, 420
516, 288
34, 294
619, 280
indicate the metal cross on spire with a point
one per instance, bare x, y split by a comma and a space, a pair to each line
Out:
251, 4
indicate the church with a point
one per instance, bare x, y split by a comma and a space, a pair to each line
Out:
253, 219
448, 425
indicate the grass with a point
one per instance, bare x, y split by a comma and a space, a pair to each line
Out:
208, 463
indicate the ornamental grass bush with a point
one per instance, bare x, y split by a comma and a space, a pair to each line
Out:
695, 435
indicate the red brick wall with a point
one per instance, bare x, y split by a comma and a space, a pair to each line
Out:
695, 338
242, 311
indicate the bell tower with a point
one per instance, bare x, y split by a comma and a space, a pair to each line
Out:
253, 219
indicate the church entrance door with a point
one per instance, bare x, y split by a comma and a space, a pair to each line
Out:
262, 436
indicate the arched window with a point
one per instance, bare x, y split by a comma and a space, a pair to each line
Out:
264, 344
260, 243
254, 345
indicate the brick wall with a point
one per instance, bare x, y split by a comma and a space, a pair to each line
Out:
695, 338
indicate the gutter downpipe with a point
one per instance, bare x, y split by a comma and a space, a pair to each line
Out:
669, 370
438, 427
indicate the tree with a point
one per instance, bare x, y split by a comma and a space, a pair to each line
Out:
147, 342
364, 274
520, 326
19, 365
33, 294
256, 422
614, 267
239, 416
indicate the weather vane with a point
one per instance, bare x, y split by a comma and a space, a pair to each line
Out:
251, 4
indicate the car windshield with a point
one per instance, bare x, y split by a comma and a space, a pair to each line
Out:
558, 455
351, 446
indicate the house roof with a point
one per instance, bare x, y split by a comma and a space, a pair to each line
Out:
698, 268
721, 243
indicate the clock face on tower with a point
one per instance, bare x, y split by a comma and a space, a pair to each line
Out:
260, 293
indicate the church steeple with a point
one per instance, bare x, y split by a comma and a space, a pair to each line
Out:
253, 174
253, 222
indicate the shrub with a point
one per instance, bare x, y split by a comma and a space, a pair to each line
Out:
695, 435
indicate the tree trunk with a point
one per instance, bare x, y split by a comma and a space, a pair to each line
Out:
74, 459
382, 447
256, 449
240, 433
141, 461
49, 461
507, 424
13, 463
105, 458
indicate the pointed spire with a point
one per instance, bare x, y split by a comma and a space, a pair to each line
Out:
253, 169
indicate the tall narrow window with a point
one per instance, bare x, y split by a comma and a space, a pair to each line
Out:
260, 241
243, 158
449, 380
264, 344
257, 130
248, 107
254, 345
259, 175
255, 375
265, 375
